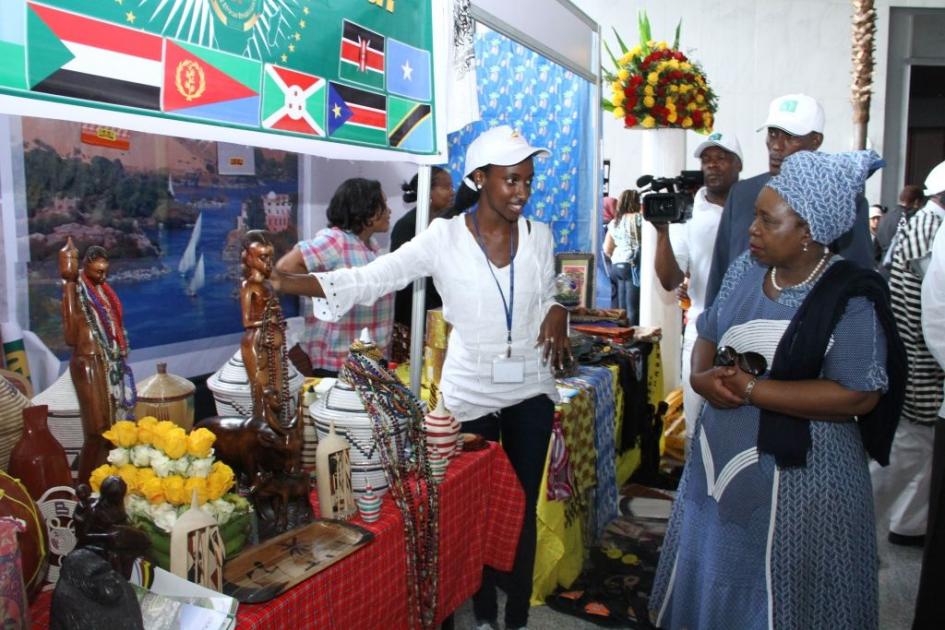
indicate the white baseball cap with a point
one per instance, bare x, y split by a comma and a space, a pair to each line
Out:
721, 140
797, 114
876, 211
935, 182
502, 146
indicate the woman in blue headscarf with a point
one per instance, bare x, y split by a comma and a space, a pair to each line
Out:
802, 367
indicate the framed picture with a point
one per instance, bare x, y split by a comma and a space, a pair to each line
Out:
580, 267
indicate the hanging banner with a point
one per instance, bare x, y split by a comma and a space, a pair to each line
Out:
358, 72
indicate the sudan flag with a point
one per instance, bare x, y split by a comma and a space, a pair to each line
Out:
79, 57
409, 125
362, 55
210, 85
357, 115
293, 101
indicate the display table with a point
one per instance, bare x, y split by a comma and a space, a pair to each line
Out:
481, 510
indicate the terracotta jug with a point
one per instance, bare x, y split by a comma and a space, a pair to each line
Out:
38, 460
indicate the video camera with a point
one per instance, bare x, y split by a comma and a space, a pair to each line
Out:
675, 204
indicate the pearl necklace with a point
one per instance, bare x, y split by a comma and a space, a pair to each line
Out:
807, 280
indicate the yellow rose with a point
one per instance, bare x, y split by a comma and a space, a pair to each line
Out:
219, 481
684, 88
687, 122
685, 66
648, 122
674, 64
616, 86
635, 51
649, 101
652, 78
618, 112
700, 98
651, 43
198, 485
662, 45
161, 430
672, 117
648, 90
623, 75
670, 102
174, 491
144, 476
661, 66
99, 475
691, 107
153, 490
146, 430
674, 88
618, 99
199, 442
123, 433
175, 443
129, 474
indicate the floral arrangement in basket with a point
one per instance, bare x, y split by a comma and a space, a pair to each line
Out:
163, 466
657, 85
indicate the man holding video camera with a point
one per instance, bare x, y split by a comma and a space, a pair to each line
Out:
685, 249
795, 123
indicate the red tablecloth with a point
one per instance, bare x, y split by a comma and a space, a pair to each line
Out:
481, 511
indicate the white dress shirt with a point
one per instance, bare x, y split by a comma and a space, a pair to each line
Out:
933, 303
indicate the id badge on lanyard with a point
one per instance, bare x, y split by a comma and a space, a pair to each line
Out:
506, 368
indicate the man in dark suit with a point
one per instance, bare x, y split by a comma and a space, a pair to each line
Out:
795, 123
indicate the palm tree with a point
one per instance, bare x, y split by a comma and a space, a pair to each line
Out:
863, 42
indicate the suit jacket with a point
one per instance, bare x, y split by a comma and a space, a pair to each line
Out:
739, 212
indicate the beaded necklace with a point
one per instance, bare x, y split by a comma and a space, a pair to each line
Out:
811, 276
410, 477
273, 321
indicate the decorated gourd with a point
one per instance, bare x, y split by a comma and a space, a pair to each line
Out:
15, 501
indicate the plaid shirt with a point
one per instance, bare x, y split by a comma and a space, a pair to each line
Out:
327, 343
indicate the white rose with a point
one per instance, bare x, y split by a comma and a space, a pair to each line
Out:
160, 463
118, 456
164, 516
223, 509
201, 467
181, 465
141, 455
137, 505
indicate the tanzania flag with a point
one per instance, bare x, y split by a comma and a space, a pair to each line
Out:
74, 56
357, 115
210, 85
293, 101
408, 70
409, 125
362, 55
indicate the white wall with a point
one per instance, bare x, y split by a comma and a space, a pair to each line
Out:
752, 52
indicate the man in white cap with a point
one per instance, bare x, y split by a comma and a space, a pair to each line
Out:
930, 607
685, 249
901, 490
795, 123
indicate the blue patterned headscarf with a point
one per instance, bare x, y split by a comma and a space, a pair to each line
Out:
822, 188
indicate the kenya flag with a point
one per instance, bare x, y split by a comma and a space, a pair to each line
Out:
362, 55
293, 101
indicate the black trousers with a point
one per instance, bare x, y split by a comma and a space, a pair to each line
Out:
930, 607
524, 430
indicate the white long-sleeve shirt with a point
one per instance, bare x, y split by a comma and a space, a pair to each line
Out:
933, 303
449, 252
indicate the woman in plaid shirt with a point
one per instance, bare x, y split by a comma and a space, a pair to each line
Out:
357, 211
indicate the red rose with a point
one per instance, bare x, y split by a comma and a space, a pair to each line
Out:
630, 120
661, 91
697, 118
631, 102
664, 79
667, 54
689, 77
677, 75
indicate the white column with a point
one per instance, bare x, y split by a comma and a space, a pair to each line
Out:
663, 154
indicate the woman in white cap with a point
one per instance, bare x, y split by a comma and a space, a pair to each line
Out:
494, 270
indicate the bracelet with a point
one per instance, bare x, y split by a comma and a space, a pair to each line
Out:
748, 389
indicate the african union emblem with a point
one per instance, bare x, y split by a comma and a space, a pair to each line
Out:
190, 79
240, 15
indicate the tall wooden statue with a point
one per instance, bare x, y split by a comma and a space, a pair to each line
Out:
92, 326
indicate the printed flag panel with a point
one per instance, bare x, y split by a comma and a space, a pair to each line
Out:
79, 57
408, 71
293, 101
362, 55
357, 115
409, 125
206, 83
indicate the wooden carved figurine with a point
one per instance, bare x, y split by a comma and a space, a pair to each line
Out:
102, 525
91, 594
93, 327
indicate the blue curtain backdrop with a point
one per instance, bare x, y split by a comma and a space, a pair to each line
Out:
549, 106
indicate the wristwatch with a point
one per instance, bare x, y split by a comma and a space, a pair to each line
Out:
748, 389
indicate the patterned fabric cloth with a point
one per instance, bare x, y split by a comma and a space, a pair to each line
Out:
750, 545
481, 511
327, 343
822, 188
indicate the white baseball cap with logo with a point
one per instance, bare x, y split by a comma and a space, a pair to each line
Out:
726, 142
935, 181
797, 114
502, 146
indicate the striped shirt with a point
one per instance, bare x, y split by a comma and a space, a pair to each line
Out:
913, 244
327, 343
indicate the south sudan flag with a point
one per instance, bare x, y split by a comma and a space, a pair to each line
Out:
356, 115
409, 125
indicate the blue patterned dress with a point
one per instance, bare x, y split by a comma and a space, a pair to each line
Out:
751, 545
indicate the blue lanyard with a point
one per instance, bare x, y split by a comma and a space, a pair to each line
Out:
507, 305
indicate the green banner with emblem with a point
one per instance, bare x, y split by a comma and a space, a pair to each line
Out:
351, 71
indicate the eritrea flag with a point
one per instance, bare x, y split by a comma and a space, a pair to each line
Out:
357, 115
293, 101
362, 55
410, 125
211, 85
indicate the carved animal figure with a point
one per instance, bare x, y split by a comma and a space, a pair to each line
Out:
281, 491
91, 594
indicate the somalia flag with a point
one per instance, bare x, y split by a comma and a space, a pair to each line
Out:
357, 115
408, 71
409, 125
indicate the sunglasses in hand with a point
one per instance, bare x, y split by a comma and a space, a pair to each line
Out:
749, 362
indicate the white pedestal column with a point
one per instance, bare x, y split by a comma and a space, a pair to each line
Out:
663, 155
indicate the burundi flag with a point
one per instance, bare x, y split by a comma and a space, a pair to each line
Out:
211, 85
408, 71
293, 101
409, 125
357, 115
362, 55
79, 57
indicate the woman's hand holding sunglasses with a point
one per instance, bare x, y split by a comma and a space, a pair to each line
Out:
744, 369
712, 385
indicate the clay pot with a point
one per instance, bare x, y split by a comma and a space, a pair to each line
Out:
442, 431
15, 501
38, 460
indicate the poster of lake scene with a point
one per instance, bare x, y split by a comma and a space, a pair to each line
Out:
172, 226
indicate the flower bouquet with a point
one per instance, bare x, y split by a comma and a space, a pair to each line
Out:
656, 85
163, 466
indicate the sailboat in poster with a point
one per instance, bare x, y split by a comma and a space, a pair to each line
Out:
197, 282
189, 258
